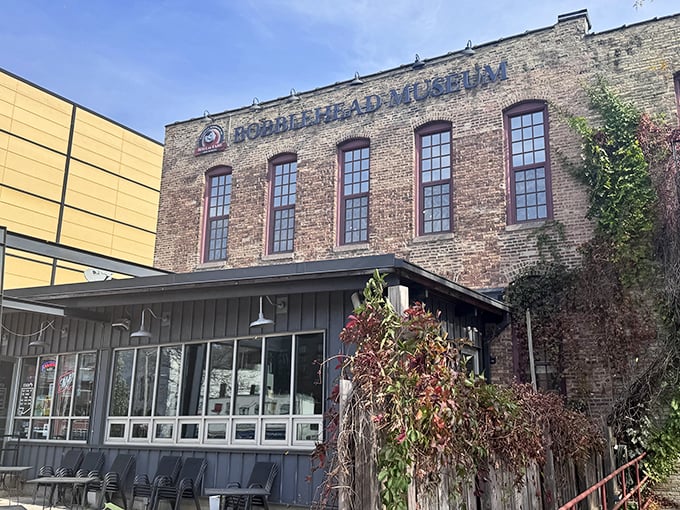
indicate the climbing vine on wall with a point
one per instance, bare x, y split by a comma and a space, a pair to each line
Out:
625, 294
425, 415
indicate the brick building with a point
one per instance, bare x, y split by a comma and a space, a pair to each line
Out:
440, 173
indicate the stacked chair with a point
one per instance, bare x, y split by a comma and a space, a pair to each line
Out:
261, 477
166, 473
188, 485
115, 481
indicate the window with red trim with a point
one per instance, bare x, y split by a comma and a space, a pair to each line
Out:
434, 178
217, 205
530, 196
283, 175
354, 189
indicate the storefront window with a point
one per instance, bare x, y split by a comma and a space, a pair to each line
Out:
54, 389
264, 390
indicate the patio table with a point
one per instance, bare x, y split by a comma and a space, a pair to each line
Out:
59, 481
13, 472
248, 492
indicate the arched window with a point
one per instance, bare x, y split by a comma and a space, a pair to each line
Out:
354, 160
435, 189
216, 213
283, 183
529, 192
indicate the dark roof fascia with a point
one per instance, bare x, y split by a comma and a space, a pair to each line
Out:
461, 292
315, 274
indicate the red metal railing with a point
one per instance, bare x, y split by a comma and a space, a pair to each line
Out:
626, 493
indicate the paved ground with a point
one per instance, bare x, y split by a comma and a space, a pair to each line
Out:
24, 500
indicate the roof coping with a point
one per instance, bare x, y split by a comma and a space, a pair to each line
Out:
569, 16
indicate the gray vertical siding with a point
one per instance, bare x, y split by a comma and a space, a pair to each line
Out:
190, 321
196, 320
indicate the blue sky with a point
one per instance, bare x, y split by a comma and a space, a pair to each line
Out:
148, 63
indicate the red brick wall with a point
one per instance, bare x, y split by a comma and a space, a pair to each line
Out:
483, 251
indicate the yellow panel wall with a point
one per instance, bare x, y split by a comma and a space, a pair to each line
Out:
20, 272
34, 169
112, 176
41, 117
27, 214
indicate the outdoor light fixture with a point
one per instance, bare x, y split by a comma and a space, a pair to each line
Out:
293, 96
122, 324
206, 116
256, 104
261, 319
144, 331
40, 341
468, 49
418, 64
356, 80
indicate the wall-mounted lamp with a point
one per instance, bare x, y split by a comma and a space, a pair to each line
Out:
261, 319
418, 64
357, 80
293, 96
40, 341
356, 300
144, 331
121, 323
207, 117
256, 104
468, 49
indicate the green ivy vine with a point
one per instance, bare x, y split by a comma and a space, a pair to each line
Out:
428, 415
625, 294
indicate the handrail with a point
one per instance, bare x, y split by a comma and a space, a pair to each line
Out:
625, 494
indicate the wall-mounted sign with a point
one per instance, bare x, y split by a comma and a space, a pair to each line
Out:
417, 91
211, 140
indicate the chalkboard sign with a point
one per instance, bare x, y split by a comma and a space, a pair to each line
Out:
25, 399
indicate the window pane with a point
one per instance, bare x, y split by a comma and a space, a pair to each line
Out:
44, 387
193, 377
122, 383
219, 378
277, 377
248, 377
275, 431
79, 430
167, 391
84, 384
65, 376
145, 375
244, 431
308, 388
217, 224
217, 431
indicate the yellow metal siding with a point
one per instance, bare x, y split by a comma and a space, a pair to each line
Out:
34, 169
26, 273
27, 214
111, 199
40, 117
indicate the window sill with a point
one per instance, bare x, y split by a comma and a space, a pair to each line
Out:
526, 225
342, 248
279, 256
429, 238
218, 264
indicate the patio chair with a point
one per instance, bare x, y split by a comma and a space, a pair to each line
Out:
70, 462
115, 481
91, 466
188, 485
167, 470
261, 477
